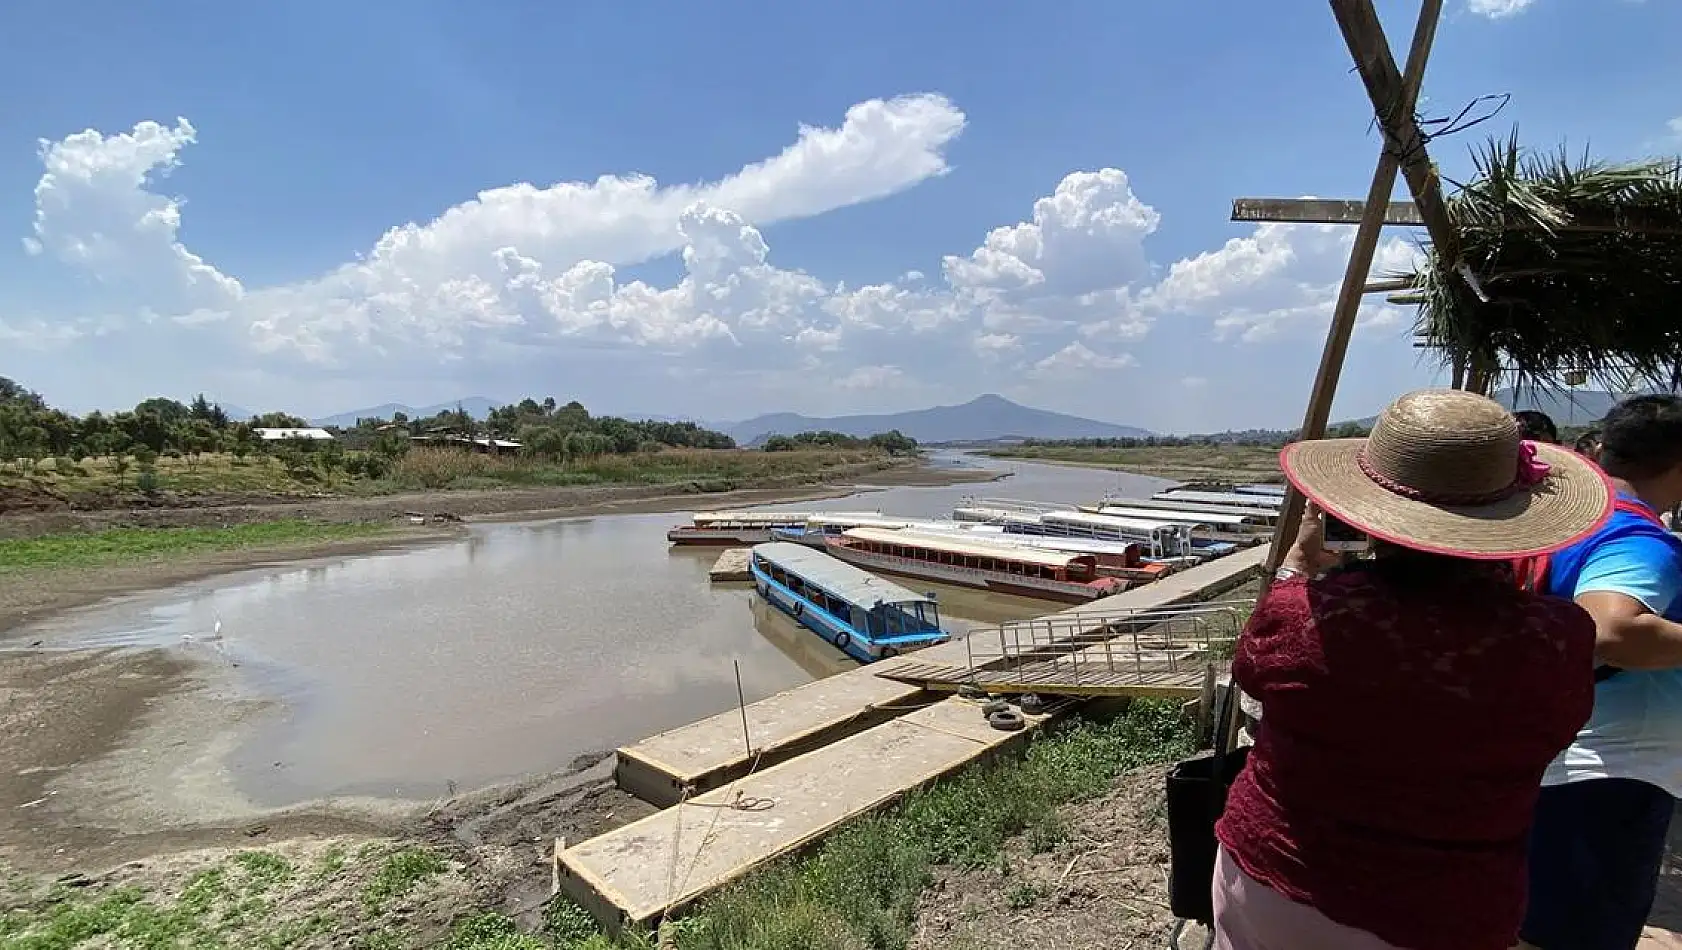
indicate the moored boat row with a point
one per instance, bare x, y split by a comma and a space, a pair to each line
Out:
818, 566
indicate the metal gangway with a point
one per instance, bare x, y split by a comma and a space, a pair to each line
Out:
1149, 652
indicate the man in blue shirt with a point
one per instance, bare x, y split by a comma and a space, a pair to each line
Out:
1606, 803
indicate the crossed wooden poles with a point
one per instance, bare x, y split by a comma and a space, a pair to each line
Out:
1394, 96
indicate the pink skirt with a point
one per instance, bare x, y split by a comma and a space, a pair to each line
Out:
1249, 915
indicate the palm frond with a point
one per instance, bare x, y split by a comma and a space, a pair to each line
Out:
1581, 261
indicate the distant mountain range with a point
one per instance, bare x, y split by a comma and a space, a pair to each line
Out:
476, 406
982, 419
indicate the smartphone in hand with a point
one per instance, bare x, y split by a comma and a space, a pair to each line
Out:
1344, 538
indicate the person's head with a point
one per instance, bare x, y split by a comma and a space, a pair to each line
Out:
1588, 445
1536, 426
1641, 443
1447, 472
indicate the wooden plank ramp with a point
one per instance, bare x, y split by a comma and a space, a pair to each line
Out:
664, 862
706, 754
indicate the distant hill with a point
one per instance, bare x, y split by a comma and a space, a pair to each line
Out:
476, 406
981, 419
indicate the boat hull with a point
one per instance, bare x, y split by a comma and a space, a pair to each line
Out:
815, 619
732, 537
1061, 591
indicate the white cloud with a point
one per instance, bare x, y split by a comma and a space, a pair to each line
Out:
1194, 382
873, 377
1675, 126
1078, 358
536, 272
1280, 276
93, 208
1498, 9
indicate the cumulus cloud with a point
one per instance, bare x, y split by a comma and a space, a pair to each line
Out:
528, 269
1078, 359
1279, 276
1675, 126
1498, 9
94, 208
873, 377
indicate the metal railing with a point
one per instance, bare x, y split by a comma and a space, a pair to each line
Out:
1099, 647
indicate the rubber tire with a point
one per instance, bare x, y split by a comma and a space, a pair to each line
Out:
843, 640
1006, 720
995, 706
1031, 703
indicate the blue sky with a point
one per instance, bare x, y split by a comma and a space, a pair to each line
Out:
318, 207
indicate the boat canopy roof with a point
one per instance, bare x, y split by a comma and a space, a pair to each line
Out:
1264, 510
1170, 514
752, 517
958, 544
1086, 519
838, 578
1221, 498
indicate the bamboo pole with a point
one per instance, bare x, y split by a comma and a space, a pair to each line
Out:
1355, 275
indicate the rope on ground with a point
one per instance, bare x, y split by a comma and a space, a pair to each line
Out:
740, 802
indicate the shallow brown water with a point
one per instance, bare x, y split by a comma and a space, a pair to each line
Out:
507, 653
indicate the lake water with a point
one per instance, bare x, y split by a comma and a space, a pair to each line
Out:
513, 650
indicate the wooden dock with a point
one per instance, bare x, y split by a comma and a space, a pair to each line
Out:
731, 567
666, 861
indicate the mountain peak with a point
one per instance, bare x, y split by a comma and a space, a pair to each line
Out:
984, 418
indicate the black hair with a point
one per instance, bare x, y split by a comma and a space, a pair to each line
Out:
1642, 437
1536, 426
1588, 444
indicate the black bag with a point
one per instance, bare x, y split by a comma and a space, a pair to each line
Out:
1197, 789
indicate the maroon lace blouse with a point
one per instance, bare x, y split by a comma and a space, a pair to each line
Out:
1405, 731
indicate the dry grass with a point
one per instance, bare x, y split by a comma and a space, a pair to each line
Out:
715, 468
1229, 463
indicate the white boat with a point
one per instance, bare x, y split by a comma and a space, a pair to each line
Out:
973, 562
736, 527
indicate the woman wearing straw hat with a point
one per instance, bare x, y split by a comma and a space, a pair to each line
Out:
1411, 700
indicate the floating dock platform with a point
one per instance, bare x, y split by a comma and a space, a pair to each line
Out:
666, 861
731, 567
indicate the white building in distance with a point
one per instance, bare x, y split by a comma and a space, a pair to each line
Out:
280, 435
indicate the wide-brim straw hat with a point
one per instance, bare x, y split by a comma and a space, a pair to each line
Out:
1445, 471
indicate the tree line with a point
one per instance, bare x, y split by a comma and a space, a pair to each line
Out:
893, 442
30, 428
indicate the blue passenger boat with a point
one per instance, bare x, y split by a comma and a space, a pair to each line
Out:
862, 615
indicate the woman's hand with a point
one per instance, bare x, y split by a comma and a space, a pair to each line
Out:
1308, 555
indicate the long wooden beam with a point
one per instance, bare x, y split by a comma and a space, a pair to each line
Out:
1355, 275
1320, 211
1406, 214
1394, 107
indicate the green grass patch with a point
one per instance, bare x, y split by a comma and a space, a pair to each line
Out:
120, 545
400, 873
